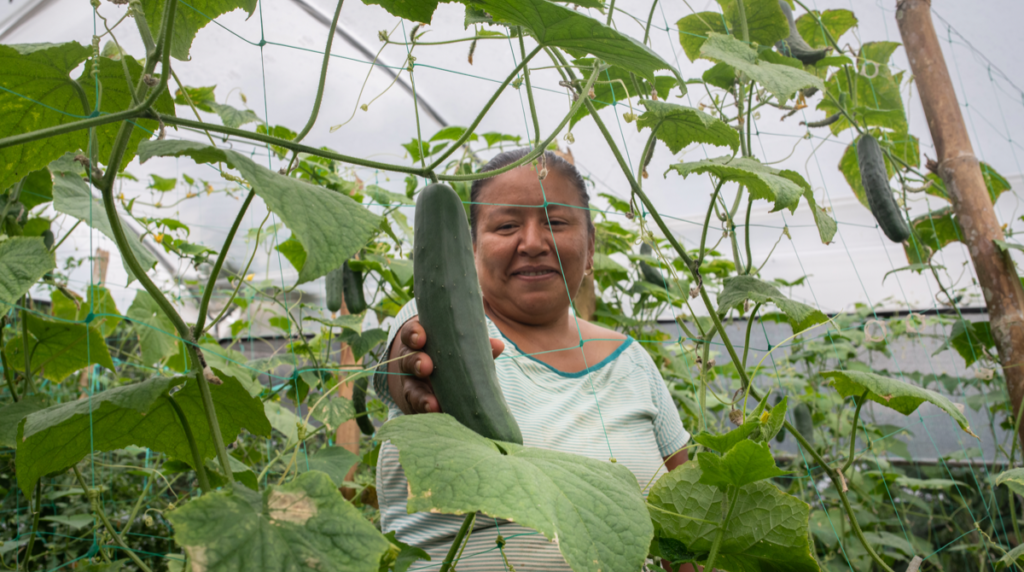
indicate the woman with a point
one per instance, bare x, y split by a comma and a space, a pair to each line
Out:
603, 398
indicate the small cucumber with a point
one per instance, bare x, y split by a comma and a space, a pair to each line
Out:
803, 423
451, 312
794, 46
875, 180
649, 273
335, 282
359, 401
352, 284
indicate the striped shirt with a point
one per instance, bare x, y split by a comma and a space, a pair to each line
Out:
617, 408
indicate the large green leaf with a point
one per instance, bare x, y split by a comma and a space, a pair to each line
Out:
304, 525
36, 189
415, 10
767, 531
746, 462
189, 19
23, 261
766, 24
331, 226
71, 196
11, 416
334, 461
837, 22
1013, 478
875, 100
970, 340
141, 414
98, 310
593, 508
333, 411
58, 349
39, 93
554, 25
931, 233
679, 126
781, 80
740, 288
827, 225
156, 332
695, 29
1014, 557
894, 394
37, 76
782, 187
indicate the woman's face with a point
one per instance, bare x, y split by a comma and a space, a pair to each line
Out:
530, 259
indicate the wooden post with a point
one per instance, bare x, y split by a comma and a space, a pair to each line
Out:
965, 185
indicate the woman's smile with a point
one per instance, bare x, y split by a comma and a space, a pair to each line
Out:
536, 273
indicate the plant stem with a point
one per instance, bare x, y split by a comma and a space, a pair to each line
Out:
742, 12
465, 528
197, 458
93, 496
650, 17
27, 384
9, 375
853, 432
720, 534
66, 235
323, 75
71, 127
529, 88
35, 523
707, 221
472, 126
611, 10
746, 234
138, 505
286, 143
746, 341
204, 304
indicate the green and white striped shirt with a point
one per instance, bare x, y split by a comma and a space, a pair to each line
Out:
621, 404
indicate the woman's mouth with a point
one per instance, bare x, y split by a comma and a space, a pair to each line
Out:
535, 273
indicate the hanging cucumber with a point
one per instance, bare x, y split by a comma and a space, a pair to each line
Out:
649, 273
875, 180
335, 283
803, 423
352, 284
794, 46
451, 312
359, 401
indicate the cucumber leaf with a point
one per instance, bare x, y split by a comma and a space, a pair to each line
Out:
303, 525
334, 461
594, 508
837, 22
23, 261
766, 24
1013, 478
190, 18
58, 348
141, 414
156, 332
695, 28
767, 531
679, 126
742, 287
72, 196
781, 80
330, 226
783, 187
747, 462
894, 394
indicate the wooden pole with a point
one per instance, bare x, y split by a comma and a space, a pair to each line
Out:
961, 173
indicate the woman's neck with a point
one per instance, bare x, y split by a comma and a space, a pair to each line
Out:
541, 333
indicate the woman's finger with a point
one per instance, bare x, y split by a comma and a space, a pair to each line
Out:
417, 364
497, 346
420, 396
412, 334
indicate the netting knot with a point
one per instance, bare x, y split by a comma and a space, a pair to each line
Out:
263, 42
500, 541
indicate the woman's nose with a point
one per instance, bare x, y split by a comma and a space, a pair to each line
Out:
536, 239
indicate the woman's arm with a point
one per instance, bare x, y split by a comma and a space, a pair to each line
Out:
676, 459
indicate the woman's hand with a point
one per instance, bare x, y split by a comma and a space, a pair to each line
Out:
409, 379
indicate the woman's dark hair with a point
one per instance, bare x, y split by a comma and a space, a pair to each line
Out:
548, 160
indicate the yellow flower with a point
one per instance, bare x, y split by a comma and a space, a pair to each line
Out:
249, 277
159, 237
765, 416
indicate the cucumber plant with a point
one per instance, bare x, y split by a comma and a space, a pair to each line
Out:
213, 422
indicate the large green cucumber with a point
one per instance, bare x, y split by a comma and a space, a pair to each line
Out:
451, 312
794, 45
353, 286
875, 180
334, 288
